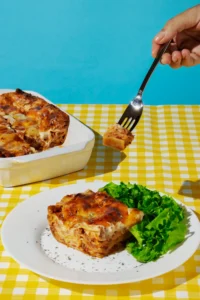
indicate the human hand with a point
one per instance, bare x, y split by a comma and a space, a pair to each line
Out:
184, 29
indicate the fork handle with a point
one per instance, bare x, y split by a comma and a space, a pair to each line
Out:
154, 64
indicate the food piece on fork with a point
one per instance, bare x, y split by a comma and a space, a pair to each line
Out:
117, 137
94, 223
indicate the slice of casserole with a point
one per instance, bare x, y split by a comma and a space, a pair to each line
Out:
93, 223
35, 121
11, 144
117, 137
53, 125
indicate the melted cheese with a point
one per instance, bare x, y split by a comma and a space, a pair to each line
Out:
37, 124
93, 223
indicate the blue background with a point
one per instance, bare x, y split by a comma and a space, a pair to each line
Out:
90, 51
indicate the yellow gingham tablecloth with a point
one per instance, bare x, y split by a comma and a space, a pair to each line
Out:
165, 155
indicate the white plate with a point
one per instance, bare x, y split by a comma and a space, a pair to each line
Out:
28, 240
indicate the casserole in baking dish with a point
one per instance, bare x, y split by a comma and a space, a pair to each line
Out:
71, 156
29, 124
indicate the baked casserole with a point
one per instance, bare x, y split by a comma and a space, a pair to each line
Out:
94, 223
29, 124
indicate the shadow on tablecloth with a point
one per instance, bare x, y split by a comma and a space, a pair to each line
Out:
190, 189
103, 160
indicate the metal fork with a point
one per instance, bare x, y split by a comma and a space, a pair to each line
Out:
133, 112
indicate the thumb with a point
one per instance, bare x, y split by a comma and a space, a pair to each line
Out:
186, 20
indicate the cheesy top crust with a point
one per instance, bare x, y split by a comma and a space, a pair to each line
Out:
94, 209
35, 124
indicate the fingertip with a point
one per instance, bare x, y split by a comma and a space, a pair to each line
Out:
188, 59
176, 60
155, 49
163, 36
159, 37
176, 56
154, 53
185, 53
175, 66
166, 59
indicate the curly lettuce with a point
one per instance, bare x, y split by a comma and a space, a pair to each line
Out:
163, 226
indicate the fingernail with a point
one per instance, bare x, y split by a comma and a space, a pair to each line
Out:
183, 55
159, 36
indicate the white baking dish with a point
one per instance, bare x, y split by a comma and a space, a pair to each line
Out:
72, 156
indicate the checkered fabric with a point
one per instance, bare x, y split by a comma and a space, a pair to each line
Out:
165, 155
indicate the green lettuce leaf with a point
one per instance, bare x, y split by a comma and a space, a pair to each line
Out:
163, 226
